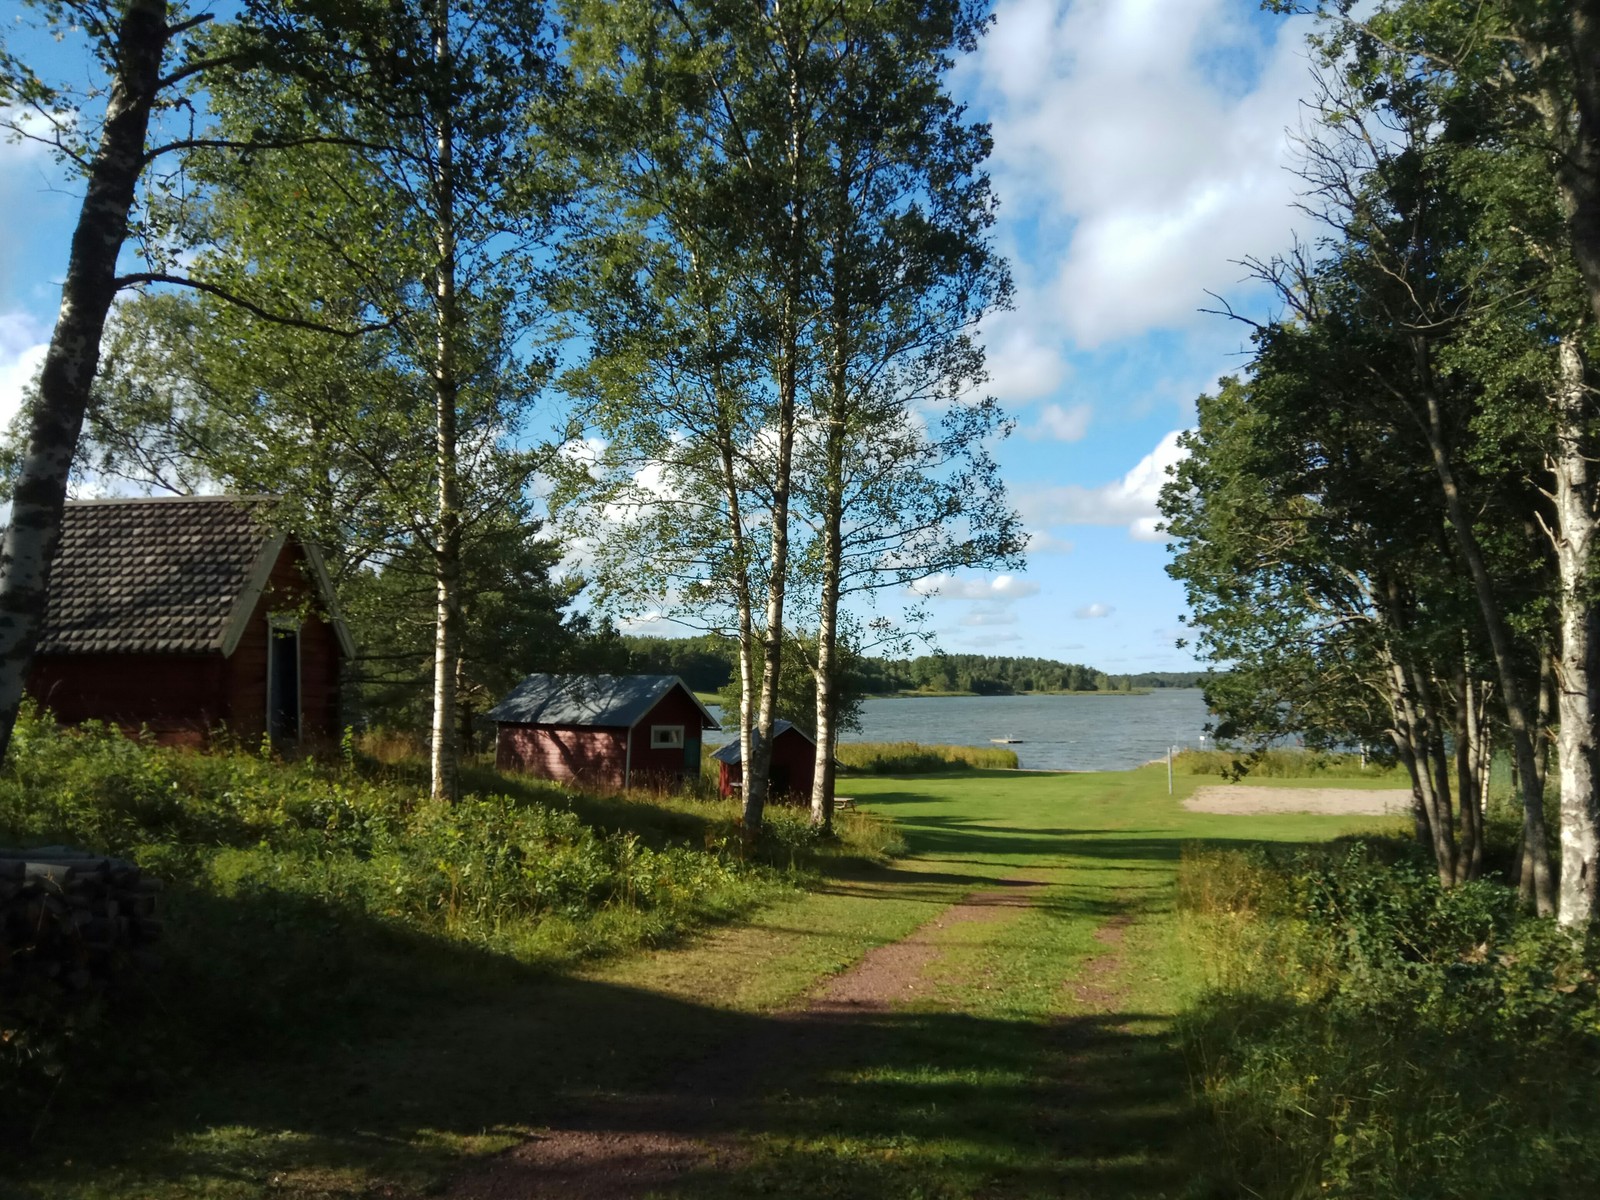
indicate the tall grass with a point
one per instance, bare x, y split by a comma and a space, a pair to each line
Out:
908, 758
1284, 764
1369, 1034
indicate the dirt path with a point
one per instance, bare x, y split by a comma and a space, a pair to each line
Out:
627, 1146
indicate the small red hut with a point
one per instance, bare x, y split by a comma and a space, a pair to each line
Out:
182, 615
612, 731
794, 765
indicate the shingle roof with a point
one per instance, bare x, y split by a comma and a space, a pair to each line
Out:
151, 575
730, 753
612, 701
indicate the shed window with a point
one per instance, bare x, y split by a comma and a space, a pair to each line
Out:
666, 737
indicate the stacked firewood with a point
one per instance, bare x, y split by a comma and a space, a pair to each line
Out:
72, 920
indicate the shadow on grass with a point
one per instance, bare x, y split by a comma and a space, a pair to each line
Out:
291, 1048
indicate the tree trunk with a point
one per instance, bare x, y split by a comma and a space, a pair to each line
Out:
838, 393
445, 755
1575, 678
55, 417
1536, 850
757, 767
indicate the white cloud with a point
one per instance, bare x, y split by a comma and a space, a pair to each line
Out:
22, 345
1130, 501
987, 615
1000, 588
1145, 141
1040, 542
1024, 362
1061, 424
1092, 612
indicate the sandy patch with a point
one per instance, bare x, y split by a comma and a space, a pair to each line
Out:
1240, 800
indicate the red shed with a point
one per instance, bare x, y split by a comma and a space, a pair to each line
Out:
186, 614
794, 765
612, 731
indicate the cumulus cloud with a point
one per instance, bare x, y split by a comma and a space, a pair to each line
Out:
1092, 612
1145, 141
22, 346
1129, 501
986, 615
1000, 588
1060, 424
1024, 361
1041, 542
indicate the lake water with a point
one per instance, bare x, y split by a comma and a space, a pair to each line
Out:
1107, 732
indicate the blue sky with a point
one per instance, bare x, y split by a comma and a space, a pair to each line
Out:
1142, 147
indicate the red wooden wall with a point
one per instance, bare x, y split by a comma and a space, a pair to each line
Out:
793, 755
598, 757
183, 697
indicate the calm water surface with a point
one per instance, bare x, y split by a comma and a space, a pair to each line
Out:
1107, 732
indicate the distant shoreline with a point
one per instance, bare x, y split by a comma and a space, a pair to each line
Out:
919, 695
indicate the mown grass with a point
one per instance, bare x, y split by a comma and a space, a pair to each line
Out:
914, 758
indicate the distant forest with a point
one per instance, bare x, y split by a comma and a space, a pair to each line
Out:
706, 663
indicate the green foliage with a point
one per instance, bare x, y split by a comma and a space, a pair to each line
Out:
300, 895
912, 758
1369, 1033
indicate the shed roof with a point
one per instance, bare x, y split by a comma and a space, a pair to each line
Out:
730, 753
611, 701
167, 574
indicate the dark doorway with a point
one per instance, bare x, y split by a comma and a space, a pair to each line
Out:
283, 685
778, 780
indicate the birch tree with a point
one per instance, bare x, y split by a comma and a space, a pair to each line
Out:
427, 200
897, 477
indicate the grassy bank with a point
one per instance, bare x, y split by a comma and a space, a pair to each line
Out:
915, 758
309, 905
1287, 764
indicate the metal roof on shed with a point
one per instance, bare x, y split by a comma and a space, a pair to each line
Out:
730, 753
610, 701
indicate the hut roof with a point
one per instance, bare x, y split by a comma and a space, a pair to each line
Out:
612, 701
166, 574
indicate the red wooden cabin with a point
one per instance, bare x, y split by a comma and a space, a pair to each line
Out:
612, 731
794, 765
184, 615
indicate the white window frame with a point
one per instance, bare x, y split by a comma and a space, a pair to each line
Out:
666, 737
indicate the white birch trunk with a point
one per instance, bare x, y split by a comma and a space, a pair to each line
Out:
444, 760
1575, 679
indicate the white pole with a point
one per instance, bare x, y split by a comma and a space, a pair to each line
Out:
1169, 770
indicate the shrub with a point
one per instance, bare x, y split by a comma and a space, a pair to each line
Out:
1367, 1033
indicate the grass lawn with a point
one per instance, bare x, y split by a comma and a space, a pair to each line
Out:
1007, 1079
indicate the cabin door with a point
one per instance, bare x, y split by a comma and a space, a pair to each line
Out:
283, 681
691, 755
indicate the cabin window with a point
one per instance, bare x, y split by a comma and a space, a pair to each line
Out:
666, 737
283, 678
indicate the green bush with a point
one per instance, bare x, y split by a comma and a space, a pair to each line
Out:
912, 758
1369, 1033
